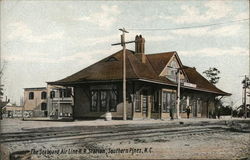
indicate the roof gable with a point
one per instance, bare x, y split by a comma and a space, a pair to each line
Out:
164, 60
159, 60
166, 68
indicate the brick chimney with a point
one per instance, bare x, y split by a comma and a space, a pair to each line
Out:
140, 48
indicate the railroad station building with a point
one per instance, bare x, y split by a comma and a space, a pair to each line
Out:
151, 82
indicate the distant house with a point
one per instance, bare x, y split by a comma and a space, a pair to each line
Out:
12, 111
53, 101
35, 101
60, 102
3, 104
151, 86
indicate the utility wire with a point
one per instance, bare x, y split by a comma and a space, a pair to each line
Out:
189, 27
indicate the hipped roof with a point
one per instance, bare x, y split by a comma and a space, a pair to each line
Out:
110, 69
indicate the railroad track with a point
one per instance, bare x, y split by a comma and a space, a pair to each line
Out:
106, 134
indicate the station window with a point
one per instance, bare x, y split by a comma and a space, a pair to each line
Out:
199, 105
94, 100
113, 100
183, 104
168, 101
105, 100
138, 102
155, 102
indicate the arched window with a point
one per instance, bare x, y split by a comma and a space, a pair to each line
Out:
43, 95
31, 95
52, 94
44, 106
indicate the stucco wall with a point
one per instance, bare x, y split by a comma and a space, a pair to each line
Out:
33, 104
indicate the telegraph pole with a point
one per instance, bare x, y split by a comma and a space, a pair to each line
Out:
178, 94
124, 73
123, 44
232, 109
178, 73
245, 98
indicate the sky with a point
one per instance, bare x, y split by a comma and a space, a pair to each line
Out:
44, 41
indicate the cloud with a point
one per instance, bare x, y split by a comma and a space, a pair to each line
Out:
45, 60
210, 52
217, 9
105, 18
27, 59
115, 38
149, 37
87, 57
98, 40
159, 38
242, 15
214, 10
221, 31
226, 30
77, 57
21, 31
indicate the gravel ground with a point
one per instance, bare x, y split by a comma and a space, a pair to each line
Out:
229, 144
205, 146
17, 125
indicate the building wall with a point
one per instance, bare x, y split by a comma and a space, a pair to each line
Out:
199, 102
204, 113
82, 103
58, 104
184, 115
35, 103
155, 115
211, 106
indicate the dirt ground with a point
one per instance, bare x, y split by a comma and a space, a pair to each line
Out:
199, 139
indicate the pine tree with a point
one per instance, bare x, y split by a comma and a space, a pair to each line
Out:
212, 75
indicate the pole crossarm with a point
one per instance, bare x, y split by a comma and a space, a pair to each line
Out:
123, 30
122, 43
178, 69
